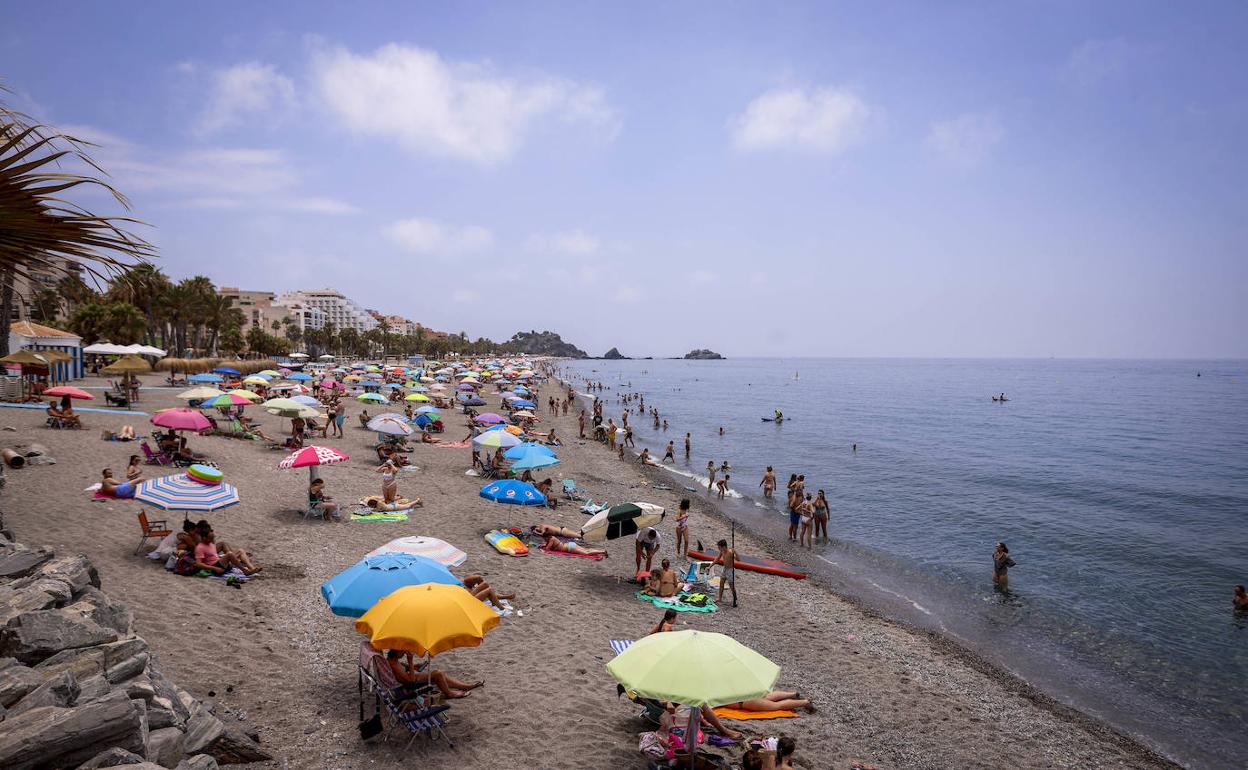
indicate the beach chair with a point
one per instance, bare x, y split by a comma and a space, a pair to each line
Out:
571, 491
407, 705
153, 458
119, 401
158, 529
590, 508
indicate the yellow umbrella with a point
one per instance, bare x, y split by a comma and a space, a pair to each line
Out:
514, 430
24, 357
253, 380
199, 393
427, 620
416, 397
247, 394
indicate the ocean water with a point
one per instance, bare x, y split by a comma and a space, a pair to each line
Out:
1121, 488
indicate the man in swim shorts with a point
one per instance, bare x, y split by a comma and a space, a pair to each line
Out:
727, 557
647, 543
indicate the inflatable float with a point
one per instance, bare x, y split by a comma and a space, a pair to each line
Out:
506, 543
205, 474
757, 564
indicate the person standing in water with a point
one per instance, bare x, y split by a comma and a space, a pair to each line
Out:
1001, 563
670, 453
822, 511
768, 483
722, 484
710, 475
688, 446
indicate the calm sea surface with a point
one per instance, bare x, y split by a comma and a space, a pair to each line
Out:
1121, 488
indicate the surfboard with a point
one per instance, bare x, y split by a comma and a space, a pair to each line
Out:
757, 564
506, 543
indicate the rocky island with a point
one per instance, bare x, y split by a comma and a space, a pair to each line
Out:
545, 343
703, 355
614, 354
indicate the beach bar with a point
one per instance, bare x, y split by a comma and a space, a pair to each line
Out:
31, 336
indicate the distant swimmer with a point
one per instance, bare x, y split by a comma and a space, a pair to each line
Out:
1001, 398
779, 416
1001, 563
855, 447
1241, 599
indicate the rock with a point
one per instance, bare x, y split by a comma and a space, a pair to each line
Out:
614, 354
78, 571
161, 713
35, 636
22, 561
65, 737
111, 758
165, 746
16, 682
233, 747
95, 604
202, 729
61, 691
198, 762
543, 343
113, 661
702, 354
33, 593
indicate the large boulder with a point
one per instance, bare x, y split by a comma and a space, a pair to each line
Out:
205, 734
36, 636
20, 561
165, 746
113, 757
115, 661
198, 762
16, 681
64, 737
61, 691
95, 604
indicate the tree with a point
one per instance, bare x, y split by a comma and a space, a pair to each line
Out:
124, 323
220, 313
143, 286
41, 231
89, 322
231, 340
46, 306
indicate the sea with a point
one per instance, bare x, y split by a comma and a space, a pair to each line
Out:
1119, 486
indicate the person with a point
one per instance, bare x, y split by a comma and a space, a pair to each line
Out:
670, 454
768, 483
795, 515
364, 418
480, 589
427, 438
822, 510
724, 467
727, 557
389, 480
1241, 599
666, 624
710, 475
188, 538
611, 430
644, 458
544, 486
552, 439
647, 543
688, 445
407, 671
721, 430
548, 530
68, 418
682, 528
628, 435
621, 452
553, 543
114, 488
580, 423
667, 579
340, 415
806, 509
779, 416
126, 433
776, 700
207, 556
134, 469
319, 502
722, 486
1001, 563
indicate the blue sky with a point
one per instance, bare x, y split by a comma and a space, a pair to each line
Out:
913, 179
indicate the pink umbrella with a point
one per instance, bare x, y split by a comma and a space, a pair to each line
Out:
181, 419
311, 457
333, 384
430, 547
64, 390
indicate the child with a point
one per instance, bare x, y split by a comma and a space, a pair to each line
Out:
682, 529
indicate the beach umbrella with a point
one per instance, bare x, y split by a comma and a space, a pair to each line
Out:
271, 373
621, 521
307, 401
427, 620
430, 547
426, 419
494, 439
531, 459
312, 457
223, 399
130, 364
299, 377
426, 409
356, 589
181, 418
390, 424
698, 668
206, 377
332, 385
523, 414
326, 357
519, 451
417, 388
254, 398
199, 394
285, 407
183, 493
522, 404
61, 391
512, 492
227, 370
488, 418
416, 397
372, 398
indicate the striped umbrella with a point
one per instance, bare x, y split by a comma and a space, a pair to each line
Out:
183, 493
621, 521
430, 547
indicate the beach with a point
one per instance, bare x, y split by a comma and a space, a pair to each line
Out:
271, 655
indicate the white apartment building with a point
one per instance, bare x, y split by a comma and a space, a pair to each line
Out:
262, 308
342, 312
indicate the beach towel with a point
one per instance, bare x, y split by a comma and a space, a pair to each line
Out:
620, 645
724, 712
676, 603
387, 516
455, 445
594, 556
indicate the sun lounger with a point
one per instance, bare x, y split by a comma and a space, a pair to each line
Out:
590, 508
571, 491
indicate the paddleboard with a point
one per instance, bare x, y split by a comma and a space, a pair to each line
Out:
757, 564
506, 543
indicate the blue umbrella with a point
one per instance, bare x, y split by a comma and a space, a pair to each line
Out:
227, 370
183, 493
533, 461
299, 377
520, 402
426, 408
356, 589
205, 378
519, 451
307, 401
425, 420
513, 493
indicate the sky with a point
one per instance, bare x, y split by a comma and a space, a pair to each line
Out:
1019, 179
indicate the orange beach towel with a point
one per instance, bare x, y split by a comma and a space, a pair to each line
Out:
731, 713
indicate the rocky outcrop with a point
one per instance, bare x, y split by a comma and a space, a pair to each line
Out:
702, 354
614, 354
79, 689
544, 343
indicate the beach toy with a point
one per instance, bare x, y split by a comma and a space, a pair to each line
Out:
506, 543
205, 474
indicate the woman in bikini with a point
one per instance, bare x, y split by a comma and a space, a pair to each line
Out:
777, 700
822, 509
806, 517
768, 483
664, 625
482, 590
553, 543
134, 470
546, 530
408, 672
389, 480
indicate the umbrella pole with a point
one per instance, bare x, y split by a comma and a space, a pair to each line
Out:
691, 735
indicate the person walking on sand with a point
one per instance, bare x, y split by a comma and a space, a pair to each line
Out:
580, 423
1001, 563
628, 435
647, 543
722, 486
727, 557
682, 528
768, 483
710, 475
670, 453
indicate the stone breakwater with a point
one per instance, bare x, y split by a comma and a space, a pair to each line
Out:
78, 688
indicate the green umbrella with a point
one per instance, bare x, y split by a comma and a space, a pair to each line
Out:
284, 407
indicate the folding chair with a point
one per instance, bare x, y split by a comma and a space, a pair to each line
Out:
407, 705
152, 457
571, 491
158, 529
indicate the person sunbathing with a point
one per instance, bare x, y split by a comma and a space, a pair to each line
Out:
553, 543
777, 700
544, 486
207, 557
235, 556
125, 434
114, 488
134, 469
664, 625
546, 530
407, 671
477, 586
667, 580
68, 418
425, 438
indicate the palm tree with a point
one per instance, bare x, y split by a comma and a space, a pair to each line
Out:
46, 306
124, 323
141, 286
42, 232
220, 314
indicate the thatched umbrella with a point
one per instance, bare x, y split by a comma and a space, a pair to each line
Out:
127, 366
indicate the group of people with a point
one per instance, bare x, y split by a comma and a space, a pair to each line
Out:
196, 549
63, 416
808, 514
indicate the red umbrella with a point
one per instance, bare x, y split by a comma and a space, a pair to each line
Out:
312, 456
64, 390
181, 419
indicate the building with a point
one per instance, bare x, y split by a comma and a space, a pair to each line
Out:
262, 308
25, 335
42, 277
342, 312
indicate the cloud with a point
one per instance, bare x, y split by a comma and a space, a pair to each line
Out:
1097, 61
573, 243
459, 110
825, 120
425, 236
625, 295
966, 140
242, 91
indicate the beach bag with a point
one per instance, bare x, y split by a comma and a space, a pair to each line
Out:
185, 565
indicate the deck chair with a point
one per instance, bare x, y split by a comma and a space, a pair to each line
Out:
652, 710
590, 508
157, 529
153, 458
112, 400
407, 705
571, 491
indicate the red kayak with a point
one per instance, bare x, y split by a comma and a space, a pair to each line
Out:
755, 564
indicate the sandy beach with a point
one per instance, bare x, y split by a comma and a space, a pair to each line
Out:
271, 655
